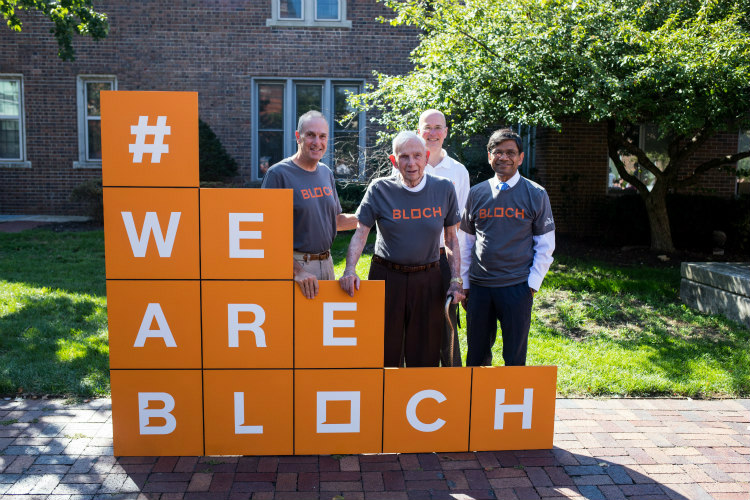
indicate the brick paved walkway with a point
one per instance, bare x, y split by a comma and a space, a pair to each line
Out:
604, 449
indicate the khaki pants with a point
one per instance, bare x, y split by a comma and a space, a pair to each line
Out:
321, 269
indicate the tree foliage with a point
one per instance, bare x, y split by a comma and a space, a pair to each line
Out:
69, 18
681, 65
215, 164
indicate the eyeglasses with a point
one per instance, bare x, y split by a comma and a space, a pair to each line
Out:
510, 154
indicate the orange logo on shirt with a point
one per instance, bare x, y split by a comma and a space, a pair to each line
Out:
485, 213
317, 192
417, 213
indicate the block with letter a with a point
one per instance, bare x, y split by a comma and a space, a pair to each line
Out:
154, 324
150, 139
513, 408
338, 411
247, 324
334, 330
248, 412
157, 412
426, 409
151, 233
246, 233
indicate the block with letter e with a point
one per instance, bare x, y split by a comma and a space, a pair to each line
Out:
157, 412
150, 139
513, 408
334, 330
246, 234
151, 233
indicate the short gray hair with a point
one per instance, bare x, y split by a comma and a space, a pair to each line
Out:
310, 115
404, 137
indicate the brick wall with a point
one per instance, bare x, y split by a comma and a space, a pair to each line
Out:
189, 46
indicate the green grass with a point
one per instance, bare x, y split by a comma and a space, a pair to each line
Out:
610, 330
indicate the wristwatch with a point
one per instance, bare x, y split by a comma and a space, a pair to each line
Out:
457, 280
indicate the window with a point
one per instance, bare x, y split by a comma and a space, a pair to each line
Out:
278, 104
743, 166
318, 13
12, 140
655, 147
89, 119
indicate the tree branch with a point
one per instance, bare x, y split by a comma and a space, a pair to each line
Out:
614, 143
693, 178
634, 150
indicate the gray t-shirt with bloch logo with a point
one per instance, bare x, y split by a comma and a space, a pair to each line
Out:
316, 203
505, 223
409, 223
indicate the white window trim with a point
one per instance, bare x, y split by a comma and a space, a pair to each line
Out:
290, 123
309, 17
22, 162
83, 161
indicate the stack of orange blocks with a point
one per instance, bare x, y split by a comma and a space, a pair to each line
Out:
214, 350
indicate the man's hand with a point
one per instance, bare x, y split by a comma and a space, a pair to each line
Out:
457, 291
349, 282
308, 283
533, 292
465, 302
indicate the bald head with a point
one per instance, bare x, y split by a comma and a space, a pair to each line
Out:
433, 130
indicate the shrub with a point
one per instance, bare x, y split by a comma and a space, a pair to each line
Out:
89, 194
350, 195
214, 161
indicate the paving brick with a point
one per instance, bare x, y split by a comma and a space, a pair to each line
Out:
268, 464
386, 495
251, 486
371, 481
200, 481
286, 481
429, 461
511, 482
350, 463
526, 493
165, 464
221, 481
591, 492
328, 464
457, 480
393, 480
308, 481
186, 464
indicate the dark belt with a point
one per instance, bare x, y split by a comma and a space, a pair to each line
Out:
404, 269
307, 257
442, 250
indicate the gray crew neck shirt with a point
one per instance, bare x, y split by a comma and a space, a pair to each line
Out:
316, 203
409, 223
505, 223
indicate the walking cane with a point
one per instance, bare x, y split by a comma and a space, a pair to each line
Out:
448, 302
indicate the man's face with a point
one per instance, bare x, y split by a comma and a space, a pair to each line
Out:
312, 142
505, 159
433, 130
410, 160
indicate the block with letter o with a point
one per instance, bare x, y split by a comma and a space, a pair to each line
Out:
154, 324
151, 233
157, 412
248, 412
426, 410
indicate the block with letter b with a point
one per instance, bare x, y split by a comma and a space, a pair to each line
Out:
334, 330
246, 234
151, 233
513, 408
157, 412
150, 139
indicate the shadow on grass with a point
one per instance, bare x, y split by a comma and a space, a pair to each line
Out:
55, 343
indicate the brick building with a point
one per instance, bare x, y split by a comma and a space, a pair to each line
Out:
256, 67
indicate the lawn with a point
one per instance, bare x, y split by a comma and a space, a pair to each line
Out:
610, 330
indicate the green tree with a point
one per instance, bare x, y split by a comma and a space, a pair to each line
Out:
69, 17
214, 162
682, 66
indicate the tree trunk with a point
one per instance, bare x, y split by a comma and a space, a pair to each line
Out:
656, 208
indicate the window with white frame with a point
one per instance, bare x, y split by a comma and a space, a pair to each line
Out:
89, 119
319, 13
12, 138
278, 104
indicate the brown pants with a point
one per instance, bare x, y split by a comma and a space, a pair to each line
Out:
413, 316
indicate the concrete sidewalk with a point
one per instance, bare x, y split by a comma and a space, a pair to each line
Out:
604, 449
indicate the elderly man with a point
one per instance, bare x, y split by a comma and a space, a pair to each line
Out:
507, 240
317, 211
410, 210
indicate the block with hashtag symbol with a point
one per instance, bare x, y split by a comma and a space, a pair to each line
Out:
150, 139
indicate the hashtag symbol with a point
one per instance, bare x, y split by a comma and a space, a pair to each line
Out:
140, 132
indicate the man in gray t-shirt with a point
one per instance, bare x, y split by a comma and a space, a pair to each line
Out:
410, 210
317, 211
507, 239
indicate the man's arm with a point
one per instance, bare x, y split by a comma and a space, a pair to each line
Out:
349, 281
346, 222
307, 282
466, 242
453, 253
544, 245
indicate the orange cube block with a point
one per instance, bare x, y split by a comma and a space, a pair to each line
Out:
334, 330
149, 139
154, 324
248, 412
513, 408
426, 410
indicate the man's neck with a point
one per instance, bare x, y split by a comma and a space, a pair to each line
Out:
305, 164
412, 184
436, 156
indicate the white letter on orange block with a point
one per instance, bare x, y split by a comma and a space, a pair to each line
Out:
233, 316
235, 235
239, 417
324, 397
411, 410
139, 244
525, 408
145, 414
329, 323
154, 312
